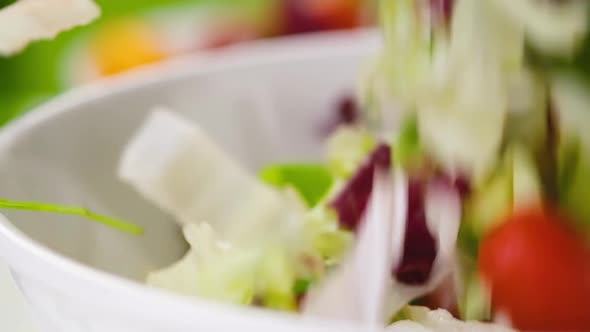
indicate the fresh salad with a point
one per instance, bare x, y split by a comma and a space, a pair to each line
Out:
460, 186
454, 199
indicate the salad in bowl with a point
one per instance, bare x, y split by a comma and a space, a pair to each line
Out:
452, 199
458, 185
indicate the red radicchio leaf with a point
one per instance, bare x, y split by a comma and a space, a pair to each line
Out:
420, 247
419, 244
352, 200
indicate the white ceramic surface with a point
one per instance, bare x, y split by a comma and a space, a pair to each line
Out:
14, 316
82, 277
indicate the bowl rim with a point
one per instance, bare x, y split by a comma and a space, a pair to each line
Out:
25, 255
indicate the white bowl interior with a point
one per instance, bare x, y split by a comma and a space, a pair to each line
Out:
259, 111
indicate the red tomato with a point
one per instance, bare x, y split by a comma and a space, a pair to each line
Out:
539, 271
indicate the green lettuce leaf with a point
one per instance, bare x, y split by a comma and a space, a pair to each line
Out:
572, 104
346, 150
312, 182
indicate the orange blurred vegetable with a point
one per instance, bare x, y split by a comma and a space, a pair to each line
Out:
123, 45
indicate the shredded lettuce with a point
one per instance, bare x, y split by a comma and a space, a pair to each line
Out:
515, 182
212, 268
553, 27
311, 181
474, 300
216, 269
406, 59
346, 150
276, 279
528, 103
407, 148
326, 238
572, 103
457, 85
468, 96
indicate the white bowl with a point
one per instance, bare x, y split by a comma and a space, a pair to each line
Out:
79, 276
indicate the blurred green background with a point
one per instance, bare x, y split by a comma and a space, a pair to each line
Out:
34, 75
47, 68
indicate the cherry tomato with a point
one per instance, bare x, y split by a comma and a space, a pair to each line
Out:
538, 271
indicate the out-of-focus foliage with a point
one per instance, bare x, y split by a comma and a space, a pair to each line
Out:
48, 68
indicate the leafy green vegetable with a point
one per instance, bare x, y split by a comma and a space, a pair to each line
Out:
347, 149
323, 232
553, 28
489, 202
301, 286
212, 268
526, 181
574, 183
572, 105
406, 60
332, 245
579, 62
403, 314
72, 210
407, 147
516, 182
468, 239
311, 181
276, 276
474, 302
568, 164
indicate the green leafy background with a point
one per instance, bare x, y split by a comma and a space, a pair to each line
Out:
33, 76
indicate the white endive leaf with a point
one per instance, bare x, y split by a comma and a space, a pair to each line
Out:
443, 215
363, 289
468, 95
29, 20
358, 290
449, 136
174, 164
182, 276
212, 268
555, 27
